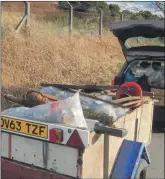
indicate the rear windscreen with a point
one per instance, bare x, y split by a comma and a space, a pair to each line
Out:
143, 41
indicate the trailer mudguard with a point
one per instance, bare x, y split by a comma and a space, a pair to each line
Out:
128, 159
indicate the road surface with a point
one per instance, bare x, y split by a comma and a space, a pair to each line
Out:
156, 151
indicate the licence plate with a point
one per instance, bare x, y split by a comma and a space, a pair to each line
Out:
24, 127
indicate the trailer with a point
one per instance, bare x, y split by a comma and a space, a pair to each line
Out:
38, 150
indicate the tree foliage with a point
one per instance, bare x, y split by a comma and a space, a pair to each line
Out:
159, 6
88, 6
114, 9
85, 6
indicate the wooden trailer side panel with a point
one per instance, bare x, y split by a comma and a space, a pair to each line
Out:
93, 156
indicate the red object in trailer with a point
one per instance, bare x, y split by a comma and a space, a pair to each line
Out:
129, 89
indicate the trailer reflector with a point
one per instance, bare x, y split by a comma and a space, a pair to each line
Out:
75, 140
56, 135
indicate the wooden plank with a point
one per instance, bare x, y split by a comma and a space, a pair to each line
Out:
130, 103
144, 93
130, 98
53, 98
121, 100
134, 102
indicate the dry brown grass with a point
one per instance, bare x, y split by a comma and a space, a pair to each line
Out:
44, 55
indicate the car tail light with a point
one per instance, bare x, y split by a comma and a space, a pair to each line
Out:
113, 82
75, 140
117, 80
56, 136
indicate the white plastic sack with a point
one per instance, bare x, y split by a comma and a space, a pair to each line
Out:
156, 79
17, 112
96, 108
56, 92
72, 111
66, 111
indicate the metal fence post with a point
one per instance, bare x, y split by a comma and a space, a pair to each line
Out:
100, 21
27, 12
25, 19
70, 18
122, 17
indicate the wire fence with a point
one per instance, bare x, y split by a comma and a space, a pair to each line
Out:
96, 22
62, 20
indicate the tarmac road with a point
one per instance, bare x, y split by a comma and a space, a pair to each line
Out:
156, 151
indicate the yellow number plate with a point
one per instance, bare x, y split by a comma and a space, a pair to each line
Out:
24, 127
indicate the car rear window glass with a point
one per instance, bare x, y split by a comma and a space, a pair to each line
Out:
153, 70
143, 41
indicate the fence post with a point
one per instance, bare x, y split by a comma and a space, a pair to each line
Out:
70, 18
122, 16
27, 12
100, 21
25, 19
2, 31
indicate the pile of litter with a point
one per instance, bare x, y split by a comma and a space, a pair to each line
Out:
66, 105
72, 108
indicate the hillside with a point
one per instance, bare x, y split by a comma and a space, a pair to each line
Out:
35, 7
43, 54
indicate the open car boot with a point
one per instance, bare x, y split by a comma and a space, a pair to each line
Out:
143, 82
